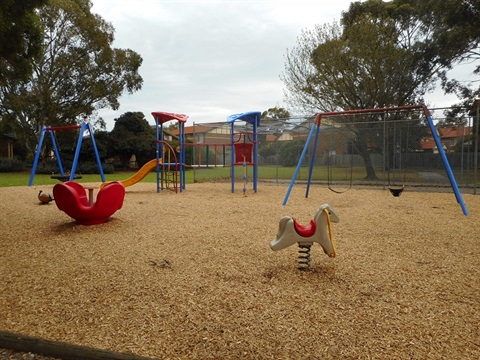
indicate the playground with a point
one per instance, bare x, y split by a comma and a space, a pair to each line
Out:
192, 276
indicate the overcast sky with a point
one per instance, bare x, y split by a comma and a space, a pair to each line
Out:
210, 59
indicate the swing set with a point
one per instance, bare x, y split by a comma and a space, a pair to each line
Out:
85, 126
394, 187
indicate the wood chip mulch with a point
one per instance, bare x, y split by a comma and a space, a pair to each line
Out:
192, 276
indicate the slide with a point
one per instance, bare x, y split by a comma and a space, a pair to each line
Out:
139, 175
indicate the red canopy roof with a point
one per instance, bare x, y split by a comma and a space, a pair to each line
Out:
162, 117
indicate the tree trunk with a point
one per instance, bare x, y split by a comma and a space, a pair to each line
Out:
362, 148
371, 175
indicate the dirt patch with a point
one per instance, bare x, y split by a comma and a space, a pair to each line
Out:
191, 275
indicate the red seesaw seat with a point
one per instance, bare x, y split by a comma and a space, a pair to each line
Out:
71, 198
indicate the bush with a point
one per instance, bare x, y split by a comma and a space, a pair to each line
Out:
11, 165
90, 167
50, 166
290, 152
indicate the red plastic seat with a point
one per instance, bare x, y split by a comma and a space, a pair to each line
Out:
305, 230
71, 198
80, 190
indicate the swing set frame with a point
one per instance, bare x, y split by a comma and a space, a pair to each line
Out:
314, 134
85, 126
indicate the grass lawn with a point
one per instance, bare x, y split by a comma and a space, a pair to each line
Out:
319, 173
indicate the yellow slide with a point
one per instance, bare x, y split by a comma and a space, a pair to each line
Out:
139, 175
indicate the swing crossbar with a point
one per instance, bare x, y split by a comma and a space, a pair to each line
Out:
368, 111
56, 128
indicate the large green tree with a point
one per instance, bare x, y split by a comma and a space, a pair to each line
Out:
446, 33
20, 37
368, 64
78, 72
132, 135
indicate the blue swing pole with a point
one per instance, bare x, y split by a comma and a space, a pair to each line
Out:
317, 122
182, 160
95, 150
302, 156
77, 152
232, 157
255, 152
446, 164
57, 153
37, 155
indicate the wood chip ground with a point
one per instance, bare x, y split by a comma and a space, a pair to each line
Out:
191, 275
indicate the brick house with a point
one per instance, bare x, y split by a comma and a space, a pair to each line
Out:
213, 133
450, 136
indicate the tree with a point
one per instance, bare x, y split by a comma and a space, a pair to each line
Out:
289, 152
103, 143
459, 31
77, 73
275, 113
270, 118
20, 37
447, 33
367, 64
132, 135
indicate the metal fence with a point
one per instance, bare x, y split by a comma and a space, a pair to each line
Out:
335, 164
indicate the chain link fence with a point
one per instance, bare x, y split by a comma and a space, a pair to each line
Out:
398, 153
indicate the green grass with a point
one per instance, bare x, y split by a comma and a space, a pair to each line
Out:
319, 173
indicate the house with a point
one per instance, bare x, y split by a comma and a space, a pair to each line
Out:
450, 137
6, 145
333, 139
211, 133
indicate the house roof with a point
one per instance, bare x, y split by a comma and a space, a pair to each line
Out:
271, 137
428, 144
190, 130
453, 132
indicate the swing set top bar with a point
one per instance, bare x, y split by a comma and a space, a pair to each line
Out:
319, 116
69, 127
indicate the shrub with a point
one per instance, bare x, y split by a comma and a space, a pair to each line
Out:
50, 166
91, 167
11, 165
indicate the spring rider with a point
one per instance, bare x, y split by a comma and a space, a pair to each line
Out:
319, 230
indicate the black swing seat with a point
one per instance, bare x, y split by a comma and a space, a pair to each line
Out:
64, 178
396, 191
